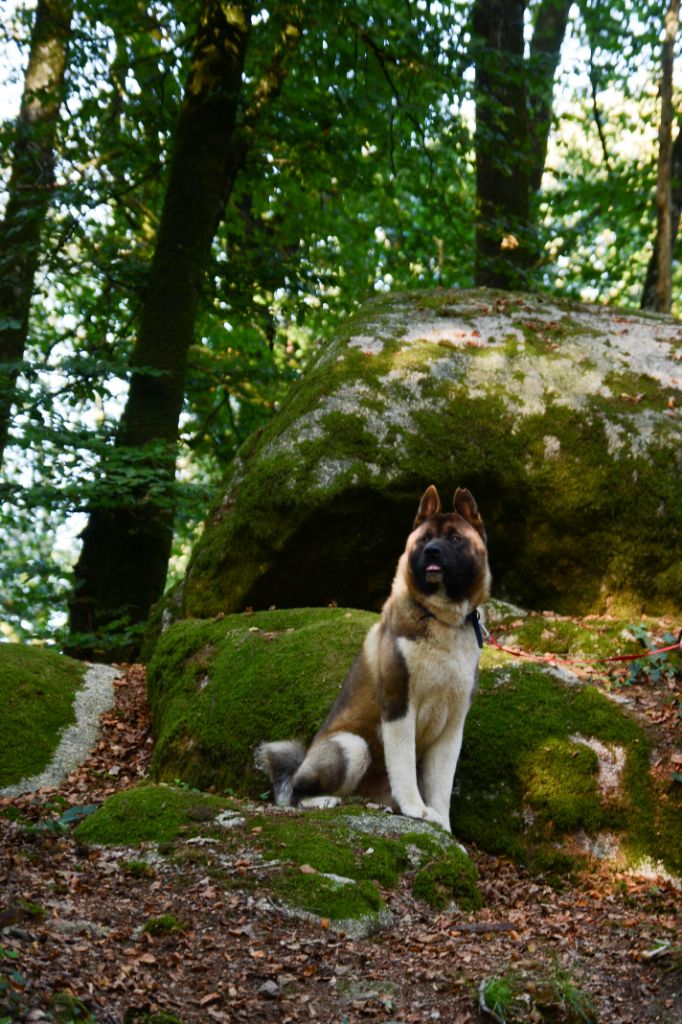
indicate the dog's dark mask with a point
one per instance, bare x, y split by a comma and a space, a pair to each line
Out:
443, 555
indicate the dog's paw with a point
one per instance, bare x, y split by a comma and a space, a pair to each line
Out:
424, 813
319, 802
436, 818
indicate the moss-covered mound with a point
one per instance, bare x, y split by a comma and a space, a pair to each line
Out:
37, 689
558, 416
549, 769
531, 784
150, 814
217, 689
331, 864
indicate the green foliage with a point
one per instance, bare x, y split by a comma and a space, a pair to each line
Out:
656, 668
518, 996
357, 177
12, 985
66, 1008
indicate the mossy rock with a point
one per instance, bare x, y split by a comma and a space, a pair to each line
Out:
37, 691
555, 414
217, 689
529, 780
330, 864
150, 814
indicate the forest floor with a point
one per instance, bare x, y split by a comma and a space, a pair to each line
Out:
606, 948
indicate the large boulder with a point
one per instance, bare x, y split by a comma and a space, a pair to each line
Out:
562, 419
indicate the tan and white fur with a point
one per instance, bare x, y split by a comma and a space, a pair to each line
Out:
394, 733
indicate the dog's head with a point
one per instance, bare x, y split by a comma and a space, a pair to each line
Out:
447, 550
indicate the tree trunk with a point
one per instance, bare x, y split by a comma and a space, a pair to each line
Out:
30, 190
545, 51
502, 145
513, 119
126, 543
658, 293
650, 282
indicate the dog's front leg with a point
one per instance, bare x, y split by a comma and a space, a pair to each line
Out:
399, 742
437, 770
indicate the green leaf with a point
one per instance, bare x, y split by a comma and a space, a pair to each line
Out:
75, 814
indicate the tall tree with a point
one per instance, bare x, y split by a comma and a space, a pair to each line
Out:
658, 287
513, 117
652, 271
30, 189
122, 567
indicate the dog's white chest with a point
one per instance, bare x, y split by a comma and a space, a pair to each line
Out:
442, 677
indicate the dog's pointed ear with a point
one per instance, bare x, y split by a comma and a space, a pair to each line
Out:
428, 506
465, 505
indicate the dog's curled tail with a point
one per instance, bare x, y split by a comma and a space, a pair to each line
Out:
280, 760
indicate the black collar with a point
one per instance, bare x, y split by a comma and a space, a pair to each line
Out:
474, 617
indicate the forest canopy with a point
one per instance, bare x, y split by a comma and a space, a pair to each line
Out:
195, 194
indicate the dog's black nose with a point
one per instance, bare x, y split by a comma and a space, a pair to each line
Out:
432, 550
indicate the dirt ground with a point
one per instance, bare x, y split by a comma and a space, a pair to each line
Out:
71, 922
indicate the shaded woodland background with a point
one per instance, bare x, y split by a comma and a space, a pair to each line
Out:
196, 194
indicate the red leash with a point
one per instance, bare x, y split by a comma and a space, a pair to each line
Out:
585, 661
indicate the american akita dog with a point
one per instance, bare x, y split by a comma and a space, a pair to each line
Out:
395, 730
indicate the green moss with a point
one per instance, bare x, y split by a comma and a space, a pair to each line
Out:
324, 863
350, 435
328, 897
450, 878
166, 924
327, 842
149, 814
274, 673
560, 778
37, 690
331, 844
648, 391
517, 757
543, 634
137, 869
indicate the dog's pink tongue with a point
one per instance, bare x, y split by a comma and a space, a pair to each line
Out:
434, 568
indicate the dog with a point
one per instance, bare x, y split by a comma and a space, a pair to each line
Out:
394, 733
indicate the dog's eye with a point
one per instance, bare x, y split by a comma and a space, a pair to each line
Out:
426, 537
454, 537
